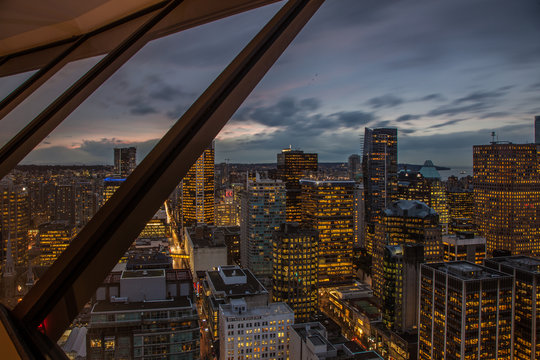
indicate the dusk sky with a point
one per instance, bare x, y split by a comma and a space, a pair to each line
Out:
445, 73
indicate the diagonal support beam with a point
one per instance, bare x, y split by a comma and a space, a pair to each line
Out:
68, 284
39, 78
39, 128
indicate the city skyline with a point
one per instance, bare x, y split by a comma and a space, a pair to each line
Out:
445, 74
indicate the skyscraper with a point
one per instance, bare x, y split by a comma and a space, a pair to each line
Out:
401, 268
53, 238
328, 207
507, 196
64, 203
465, 312
124, 161
263, 211
292, 165
526, 315
405, 222
14, 221
379, 163
460, 210
198, 191
354, 166
294, 276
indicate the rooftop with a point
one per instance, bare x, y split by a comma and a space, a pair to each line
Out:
465, 270
276, 308
521, 262
251, 286
107, 306
409, 208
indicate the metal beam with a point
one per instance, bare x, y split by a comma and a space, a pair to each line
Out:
39, 128
39, 78
190, 14
68, 284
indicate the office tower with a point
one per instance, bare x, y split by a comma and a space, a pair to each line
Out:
328, 208
460, 210
354, 167
204, 250
124, 161
359, 228
294, 277
507, 196
537, 129
293, 165
14, 221
263, 211
405, 222
526, 315
425, 185
52, 239
464, 246
465, 312
259, 331
86, 202
224, 284
230, 235
110, 185
157, 227
198, 191
227, 209
144, 314
379, 166
64, 203
401, 269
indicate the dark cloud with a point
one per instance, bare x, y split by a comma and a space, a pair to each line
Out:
407, 117
384, 101
433, 97
446, 123
474, 102
353, 119
496, 114
141, 108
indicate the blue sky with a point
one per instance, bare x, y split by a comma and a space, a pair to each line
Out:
445, 73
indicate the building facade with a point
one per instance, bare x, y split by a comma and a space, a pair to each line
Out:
263, 212
380, 166
328, 208
14, 221
526, 315
53, 238
464, 246
465, 312
250, 332
507, 196
293, 165
125, 161
198, 191
295, 261
405, 222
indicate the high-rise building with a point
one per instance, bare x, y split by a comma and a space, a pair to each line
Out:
144, 314
259, 331
64, 203
14, 221
293, 165
359, 218
263, 211
294, 277
52, 239
125, 161
224, 284
465, 312
110, 185
401, 269
198, 191
460, 210
537, 129
464, 246
526, 315
405, 222
86, 202
380, 166
328, 208
354, 167
507, 196
425, 185
230, 235
227, 209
